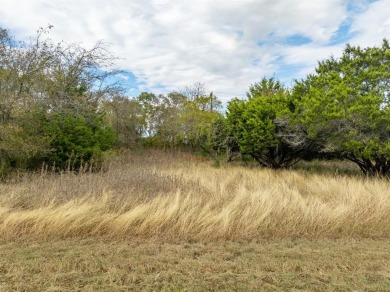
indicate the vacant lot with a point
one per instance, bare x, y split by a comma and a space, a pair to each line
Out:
157, 221
287, 265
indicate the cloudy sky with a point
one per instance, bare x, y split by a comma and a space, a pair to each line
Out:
164, 45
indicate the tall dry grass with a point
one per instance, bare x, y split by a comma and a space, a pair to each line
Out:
157, 194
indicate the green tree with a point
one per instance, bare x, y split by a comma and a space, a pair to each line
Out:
76, 143
196, 124
126, 117
41, 81
345, 106
259, 124
182, 120
149, 103
221, 143
21, 117
168, 114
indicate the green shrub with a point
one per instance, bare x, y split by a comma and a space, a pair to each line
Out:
76, 143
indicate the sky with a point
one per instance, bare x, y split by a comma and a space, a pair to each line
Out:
165, 45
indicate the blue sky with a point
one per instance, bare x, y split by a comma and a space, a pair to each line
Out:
165, 45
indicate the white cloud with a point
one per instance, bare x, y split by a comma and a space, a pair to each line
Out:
122, 76
172, 43
373, 25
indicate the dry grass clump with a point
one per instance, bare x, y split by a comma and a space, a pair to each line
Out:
158, 194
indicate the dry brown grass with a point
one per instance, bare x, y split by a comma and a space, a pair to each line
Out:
152, 265
157, 221
157, 194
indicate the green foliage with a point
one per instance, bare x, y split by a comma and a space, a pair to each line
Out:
127, 119
256, 124
196, 123
21, 139
18, 146
40, 78
56, 103
345, 106
220, 139
165, 119
176, 120
75, 143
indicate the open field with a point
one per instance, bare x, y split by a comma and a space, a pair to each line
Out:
138, 265
166, 221
182, 196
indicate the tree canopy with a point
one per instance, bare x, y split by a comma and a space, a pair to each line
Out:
43, 84
258, 124
59, 106
344, 106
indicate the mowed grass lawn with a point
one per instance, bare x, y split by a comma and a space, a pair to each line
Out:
152, 265
159, 221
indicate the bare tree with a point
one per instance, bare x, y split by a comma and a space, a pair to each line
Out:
198, 89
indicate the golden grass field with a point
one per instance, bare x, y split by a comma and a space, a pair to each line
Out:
162, 221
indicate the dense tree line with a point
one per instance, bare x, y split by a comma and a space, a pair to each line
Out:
174, 120
342, 110
60, 108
